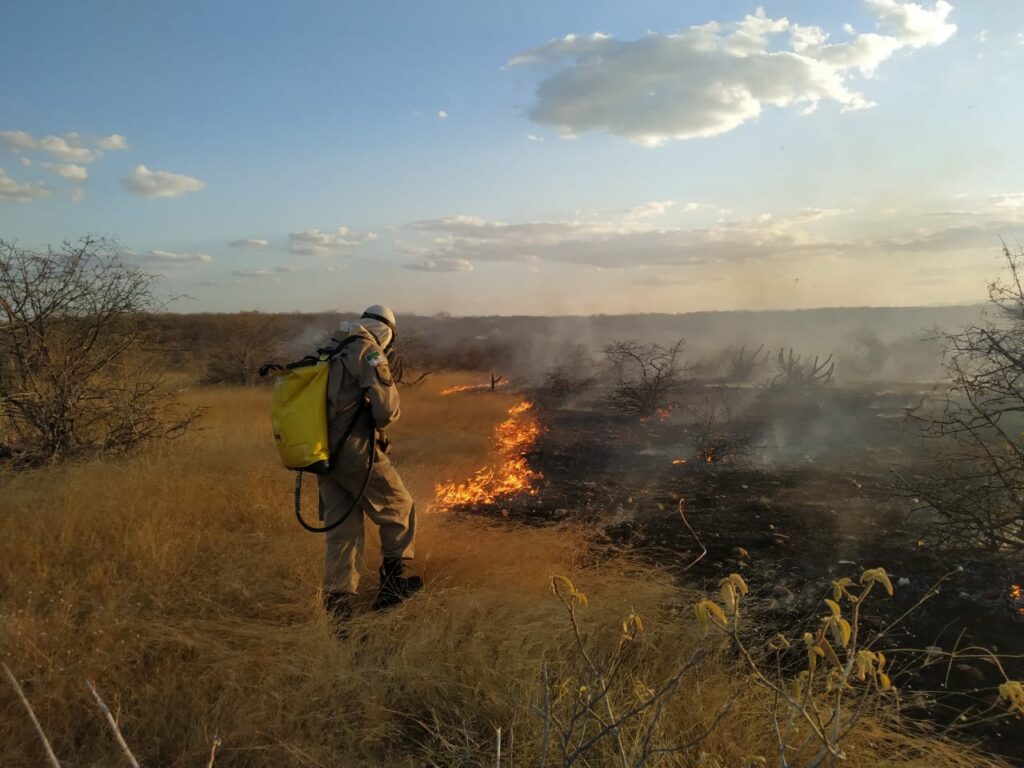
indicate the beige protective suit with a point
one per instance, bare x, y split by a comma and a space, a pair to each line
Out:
360, 373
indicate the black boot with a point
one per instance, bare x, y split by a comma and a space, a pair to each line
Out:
394, 587
339, 609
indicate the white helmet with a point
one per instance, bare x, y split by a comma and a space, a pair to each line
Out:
381, 313
382, 324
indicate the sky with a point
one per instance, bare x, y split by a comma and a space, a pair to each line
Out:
522, 157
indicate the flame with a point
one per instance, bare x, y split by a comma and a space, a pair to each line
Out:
470, 388
661, 414
514, 437
1017, 596
678, 461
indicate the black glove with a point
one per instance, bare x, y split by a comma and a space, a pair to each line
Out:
383, 443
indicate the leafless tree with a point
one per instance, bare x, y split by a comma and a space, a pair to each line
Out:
977, 483
74, 376
797, 372
643, 375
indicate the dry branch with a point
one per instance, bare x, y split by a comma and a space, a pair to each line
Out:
113, 725
32, 715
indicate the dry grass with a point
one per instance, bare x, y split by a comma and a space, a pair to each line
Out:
179, 582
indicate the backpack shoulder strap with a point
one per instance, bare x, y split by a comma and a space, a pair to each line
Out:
329, 353
323, 354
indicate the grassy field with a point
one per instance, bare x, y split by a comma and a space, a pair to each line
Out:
178, 581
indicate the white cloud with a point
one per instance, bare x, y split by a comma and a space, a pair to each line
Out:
313, 242
534, 137
256, 274
143, 181
710, 79
1008, 200
77, 195
914, 24
982, 37
442, 115
634, 237
977, 224
251, 242
26, 161
172, 258
113, 142
68, 171
656, 235
440, 265
68, 148
14, 191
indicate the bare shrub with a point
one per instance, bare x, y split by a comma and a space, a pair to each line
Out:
572, 375
744, 364
798, 372
715, 440
644, 375
977, 481
75, 375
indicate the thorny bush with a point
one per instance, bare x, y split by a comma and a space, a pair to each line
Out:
644, 376
75, 373
977, 481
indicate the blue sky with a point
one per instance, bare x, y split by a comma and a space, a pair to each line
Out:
502, 157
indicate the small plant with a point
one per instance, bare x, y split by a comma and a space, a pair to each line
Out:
844, 675
608, 713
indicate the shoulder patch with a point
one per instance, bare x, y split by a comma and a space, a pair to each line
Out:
375, 358
384, 373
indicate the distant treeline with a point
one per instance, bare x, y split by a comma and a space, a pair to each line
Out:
869, 344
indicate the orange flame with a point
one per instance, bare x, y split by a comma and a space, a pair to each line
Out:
1017, 595
470, 388
514, 436
678, 461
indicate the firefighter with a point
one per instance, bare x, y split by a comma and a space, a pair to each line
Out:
360, 387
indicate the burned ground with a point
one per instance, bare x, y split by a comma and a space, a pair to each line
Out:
793, 490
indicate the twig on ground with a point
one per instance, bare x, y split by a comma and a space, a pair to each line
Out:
952, 657
213, 751
32, 715
703, 549
113, 724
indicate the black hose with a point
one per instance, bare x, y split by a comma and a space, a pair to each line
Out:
355, 502
363, 406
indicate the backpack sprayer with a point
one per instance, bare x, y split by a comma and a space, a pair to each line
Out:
298, 416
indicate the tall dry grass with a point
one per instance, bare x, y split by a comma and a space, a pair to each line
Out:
178, 581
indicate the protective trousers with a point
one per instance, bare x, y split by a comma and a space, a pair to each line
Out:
386, 502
